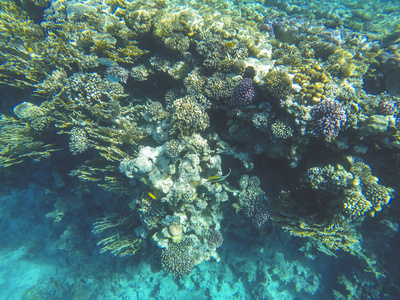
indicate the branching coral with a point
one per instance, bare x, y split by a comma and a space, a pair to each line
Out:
176, 258
117, 244
17, 143
189, 116
328, 118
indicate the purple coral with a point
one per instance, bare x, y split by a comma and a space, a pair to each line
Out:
244, 94
328, 117
215, 237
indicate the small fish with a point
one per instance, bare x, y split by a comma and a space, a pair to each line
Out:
229, 45
152, 196
218, 178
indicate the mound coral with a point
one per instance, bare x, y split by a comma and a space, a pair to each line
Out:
244, 94
278, 84
328, 118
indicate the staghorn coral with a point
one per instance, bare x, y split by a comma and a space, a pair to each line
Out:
17, 143
117, 244
329, 236
99, 114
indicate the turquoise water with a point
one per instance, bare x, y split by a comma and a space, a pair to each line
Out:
199, 149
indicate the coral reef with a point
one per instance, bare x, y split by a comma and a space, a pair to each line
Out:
200, 116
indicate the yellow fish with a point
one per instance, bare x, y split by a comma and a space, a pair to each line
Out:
218, 178
152, 196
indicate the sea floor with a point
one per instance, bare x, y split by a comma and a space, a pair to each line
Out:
40, 259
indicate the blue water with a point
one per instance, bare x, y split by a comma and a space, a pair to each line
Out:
147, 150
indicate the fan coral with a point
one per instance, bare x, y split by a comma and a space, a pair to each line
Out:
328, 118
244, 94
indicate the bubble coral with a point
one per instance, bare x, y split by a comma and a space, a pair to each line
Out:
175, 230
328, 118
244, 94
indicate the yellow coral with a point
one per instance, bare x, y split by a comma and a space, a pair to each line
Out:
377, 194
335, 236
16, 143
312, 80
356, 204
121, 246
